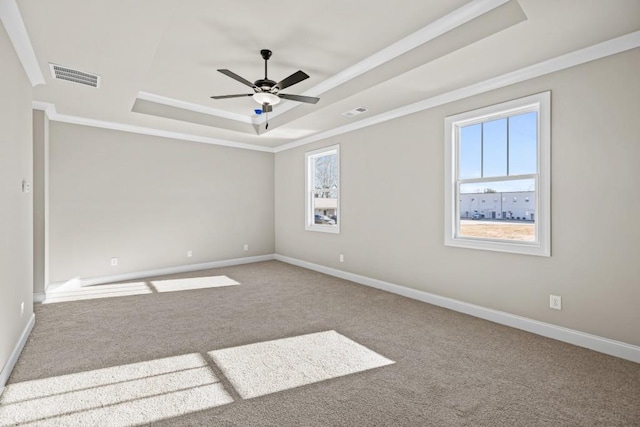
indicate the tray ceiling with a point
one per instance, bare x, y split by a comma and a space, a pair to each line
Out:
157, 59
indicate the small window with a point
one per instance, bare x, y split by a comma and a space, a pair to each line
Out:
322, 211
502, 149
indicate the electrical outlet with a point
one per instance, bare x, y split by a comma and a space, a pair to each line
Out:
246, 247
189, 254
341, 258
114, 262
555, 302
22, 309
26, 187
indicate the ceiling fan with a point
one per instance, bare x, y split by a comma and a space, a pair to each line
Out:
267, 92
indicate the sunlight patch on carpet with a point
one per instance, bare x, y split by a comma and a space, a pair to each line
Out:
121, 395
272, 366
98, 291
145, 392
172, 285
137, 288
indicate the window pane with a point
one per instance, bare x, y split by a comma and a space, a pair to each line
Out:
494, 147
523, 141
325, 189
502, 210
470, 151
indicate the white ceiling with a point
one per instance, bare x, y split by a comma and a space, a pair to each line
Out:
158, 58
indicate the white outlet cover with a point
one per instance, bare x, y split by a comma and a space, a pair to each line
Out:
246, 247
555, 302
114, 262
189, 253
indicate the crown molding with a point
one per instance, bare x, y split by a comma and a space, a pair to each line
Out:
578, 57
53, 115
17, 32
581, 56
49, 109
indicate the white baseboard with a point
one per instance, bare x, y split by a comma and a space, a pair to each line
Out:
8, 367
80, 282
571, 336
39, 297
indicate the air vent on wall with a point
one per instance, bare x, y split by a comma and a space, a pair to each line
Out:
355, 112
69, 74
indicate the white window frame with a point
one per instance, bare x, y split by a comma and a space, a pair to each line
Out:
310, 156
542, 246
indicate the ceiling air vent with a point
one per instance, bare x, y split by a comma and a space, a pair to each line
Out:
69, 74
355, 112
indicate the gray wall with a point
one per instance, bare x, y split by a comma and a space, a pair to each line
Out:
392, 207
148, 200
16, 277
40, 202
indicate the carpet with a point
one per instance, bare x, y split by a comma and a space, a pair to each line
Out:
149, 391
450, 369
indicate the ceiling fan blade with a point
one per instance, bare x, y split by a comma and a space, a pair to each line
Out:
237, 77
294, 78
232, 96
299, 98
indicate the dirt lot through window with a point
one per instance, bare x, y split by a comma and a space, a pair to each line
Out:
498, 230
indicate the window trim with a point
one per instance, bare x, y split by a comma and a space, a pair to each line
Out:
541, 103
309, 223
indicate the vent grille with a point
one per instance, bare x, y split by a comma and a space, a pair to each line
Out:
69, 74
355, 112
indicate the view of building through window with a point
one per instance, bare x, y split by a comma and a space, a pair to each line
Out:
497, 178
325, 189
498, 185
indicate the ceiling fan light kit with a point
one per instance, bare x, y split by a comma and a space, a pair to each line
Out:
266, 98
266, 91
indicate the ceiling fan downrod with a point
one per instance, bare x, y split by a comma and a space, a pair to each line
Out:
266, 54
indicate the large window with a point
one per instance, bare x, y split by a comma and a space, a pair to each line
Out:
497, 182
323, 190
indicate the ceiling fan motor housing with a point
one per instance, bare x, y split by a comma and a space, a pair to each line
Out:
266, 85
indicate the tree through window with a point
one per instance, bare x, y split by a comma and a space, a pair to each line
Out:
323, 190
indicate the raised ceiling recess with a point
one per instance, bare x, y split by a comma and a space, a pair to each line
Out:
157, 68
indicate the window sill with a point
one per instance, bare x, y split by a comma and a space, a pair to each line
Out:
523, 248
334, 229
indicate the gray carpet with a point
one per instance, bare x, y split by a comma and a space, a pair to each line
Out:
444, 368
